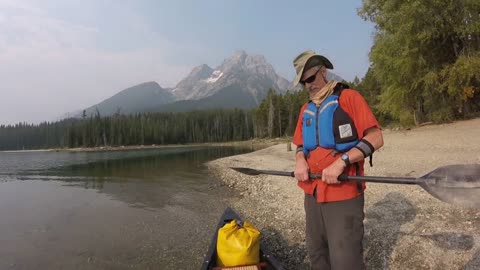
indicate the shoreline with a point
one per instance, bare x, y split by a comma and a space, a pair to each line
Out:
405, 227
254, 143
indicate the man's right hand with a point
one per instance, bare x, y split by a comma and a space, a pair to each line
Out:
301, 167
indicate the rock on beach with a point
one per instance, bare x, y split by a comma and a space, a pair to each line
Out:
405, 227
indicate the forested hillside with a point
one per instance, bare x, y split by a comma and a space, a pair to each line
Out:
425, 59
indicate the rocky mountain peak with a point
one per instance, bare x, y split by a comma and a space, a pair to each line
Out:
236, 60
198, 73
241, 61
202, 71
252, 73
239, 56
146, 84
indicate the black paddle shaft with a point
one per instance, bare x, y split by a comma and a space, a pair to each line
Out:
375, 179
343, 177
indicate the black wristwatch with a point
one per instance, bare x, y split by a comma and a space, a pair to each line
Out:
346, 159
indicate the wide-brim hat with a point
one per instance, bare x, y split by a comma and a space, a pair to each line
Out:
306, 60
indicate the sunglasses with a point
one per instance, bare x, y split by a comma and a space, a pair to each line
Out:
310, 79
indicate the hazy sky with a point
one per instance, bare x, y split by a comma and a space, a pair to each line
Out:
58, 56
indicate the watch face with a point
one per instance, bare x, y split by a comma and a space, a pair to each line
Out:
346, 159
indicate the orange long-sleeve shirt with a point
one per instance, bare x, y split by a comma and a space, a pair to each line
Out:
357, 108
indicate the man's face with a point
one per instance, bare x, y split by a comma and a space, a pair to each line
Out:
314, 79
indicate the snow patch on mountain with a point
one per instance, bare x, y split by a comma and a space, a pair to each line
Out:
217, 74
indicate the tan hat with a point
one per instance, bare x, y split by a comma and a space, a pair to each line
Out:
306, 60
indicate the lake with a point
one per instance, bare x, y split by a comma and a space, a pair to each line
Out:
137, 209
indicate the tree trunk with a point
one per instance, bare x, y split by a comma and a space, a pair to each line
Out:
271, 116
279, 122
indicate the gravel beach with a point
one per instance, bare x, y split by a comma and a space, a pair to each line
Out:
405, 227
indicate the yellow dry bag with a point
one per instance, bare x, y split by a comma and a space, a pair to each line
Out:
238, 245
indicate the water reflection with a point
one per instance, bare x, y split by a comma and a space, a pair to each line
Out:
151, 178
144, 209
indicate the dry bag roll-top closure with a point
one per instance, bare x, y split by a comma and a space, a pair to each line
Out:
328, 125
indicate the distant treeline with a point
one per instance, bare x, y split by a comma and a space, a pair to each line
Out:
275, 117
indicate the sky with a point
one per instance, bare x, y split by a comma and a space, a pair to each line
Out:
60, 56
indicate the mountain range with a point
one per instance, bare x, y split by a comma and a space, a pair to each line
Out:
241, 81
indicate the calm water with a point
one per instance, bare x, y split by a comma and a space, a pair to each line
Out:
148, 209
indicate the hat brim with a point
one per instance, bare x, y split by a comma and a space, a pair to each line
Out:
312, 61
296, 81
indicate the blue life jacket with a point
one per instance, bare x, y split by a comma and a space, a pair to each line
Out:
328, 126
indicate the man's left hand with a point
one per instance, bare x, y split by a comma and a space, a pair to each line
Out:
331, 173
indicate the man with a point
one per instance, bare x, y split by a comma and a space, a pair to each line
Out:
335, 132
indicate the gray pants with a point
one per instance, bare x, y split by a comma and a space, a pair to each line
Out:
334, 233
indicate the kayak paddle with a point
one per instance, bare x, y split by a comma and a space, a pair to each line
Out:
456, 184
